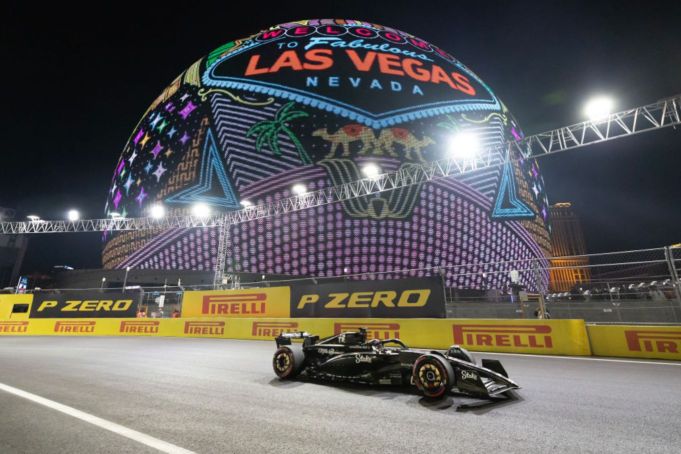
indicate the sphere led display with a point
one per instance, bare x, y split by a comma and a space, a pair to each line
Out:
320, 103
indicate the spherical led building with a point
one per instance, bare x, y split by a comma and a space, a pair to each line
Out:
315, 102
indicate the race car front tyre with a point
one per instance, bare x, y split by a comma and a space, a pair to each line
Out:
433, 376
288, 361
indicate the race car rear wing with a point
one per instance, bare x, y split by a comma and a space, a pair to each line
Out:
286, 338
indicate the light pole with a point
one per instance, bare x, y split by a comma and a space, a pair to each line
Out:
125, 278
103, 282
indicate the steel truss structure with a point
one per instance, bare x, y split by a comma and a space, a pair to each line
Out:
663, 113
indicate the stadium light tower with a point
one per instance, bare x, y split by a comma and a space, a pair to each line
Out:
299, 189
201, 210
464, 145
157, 211
33, 218
371, 171
73, 215
599, 107
246, 204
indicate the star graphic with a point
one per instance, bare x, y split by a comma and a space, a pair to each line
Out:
170, 106
184, 96
145, 140
113, 189
162, 126
138, 137
148, 167
536, 191
157, 149
117, 199
187, 110
168, 153
127, 185
159, 172
155, 121
138, 182
132, 156
535, 172
185, 138
172, 132
124, 213
141, 196
213, 186
121, 166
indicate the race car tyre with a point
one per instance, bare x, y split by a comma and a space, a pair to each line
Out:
287, 362
433, 376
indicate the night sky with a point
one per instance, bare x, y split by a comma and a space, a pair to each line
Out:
76, 81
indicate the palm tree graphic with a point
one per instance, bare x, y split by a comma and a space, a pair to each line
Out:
267, 131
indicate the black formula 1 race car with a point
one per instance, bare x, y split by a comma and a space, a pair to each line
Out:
349, 357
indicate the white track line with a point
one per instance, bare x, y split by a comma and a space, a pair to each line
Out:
139, 437
581, 358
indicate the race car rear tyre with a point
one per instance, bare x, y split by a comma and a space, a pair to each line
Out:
287, 362
433, 376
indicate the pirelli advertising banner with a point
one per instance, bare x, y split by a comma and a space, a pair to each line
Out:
249, 303
403, 298
85, 304
550, 337
636, 341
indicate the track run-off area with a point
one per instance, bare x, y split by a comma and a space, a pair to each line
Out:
115, 395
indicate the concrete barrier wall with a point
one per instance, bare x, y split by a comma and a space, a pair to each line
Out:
636, 341
550, 337
553, 337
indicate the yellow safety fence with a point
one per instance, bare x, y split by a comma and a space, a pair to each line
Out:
550, 337
636, 341
554, 337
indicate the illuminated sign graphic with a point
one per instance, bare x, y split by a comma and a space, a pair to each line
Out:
313, 102
335, 67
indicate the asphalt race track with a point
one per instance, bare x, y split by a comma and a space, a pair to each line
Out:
221, 396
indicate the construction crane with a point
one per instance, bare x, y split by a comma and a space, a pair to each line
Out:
660, 114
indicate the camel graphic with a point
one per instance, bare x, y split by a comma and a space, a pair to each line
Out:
346, 135
389, 137
384, 144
